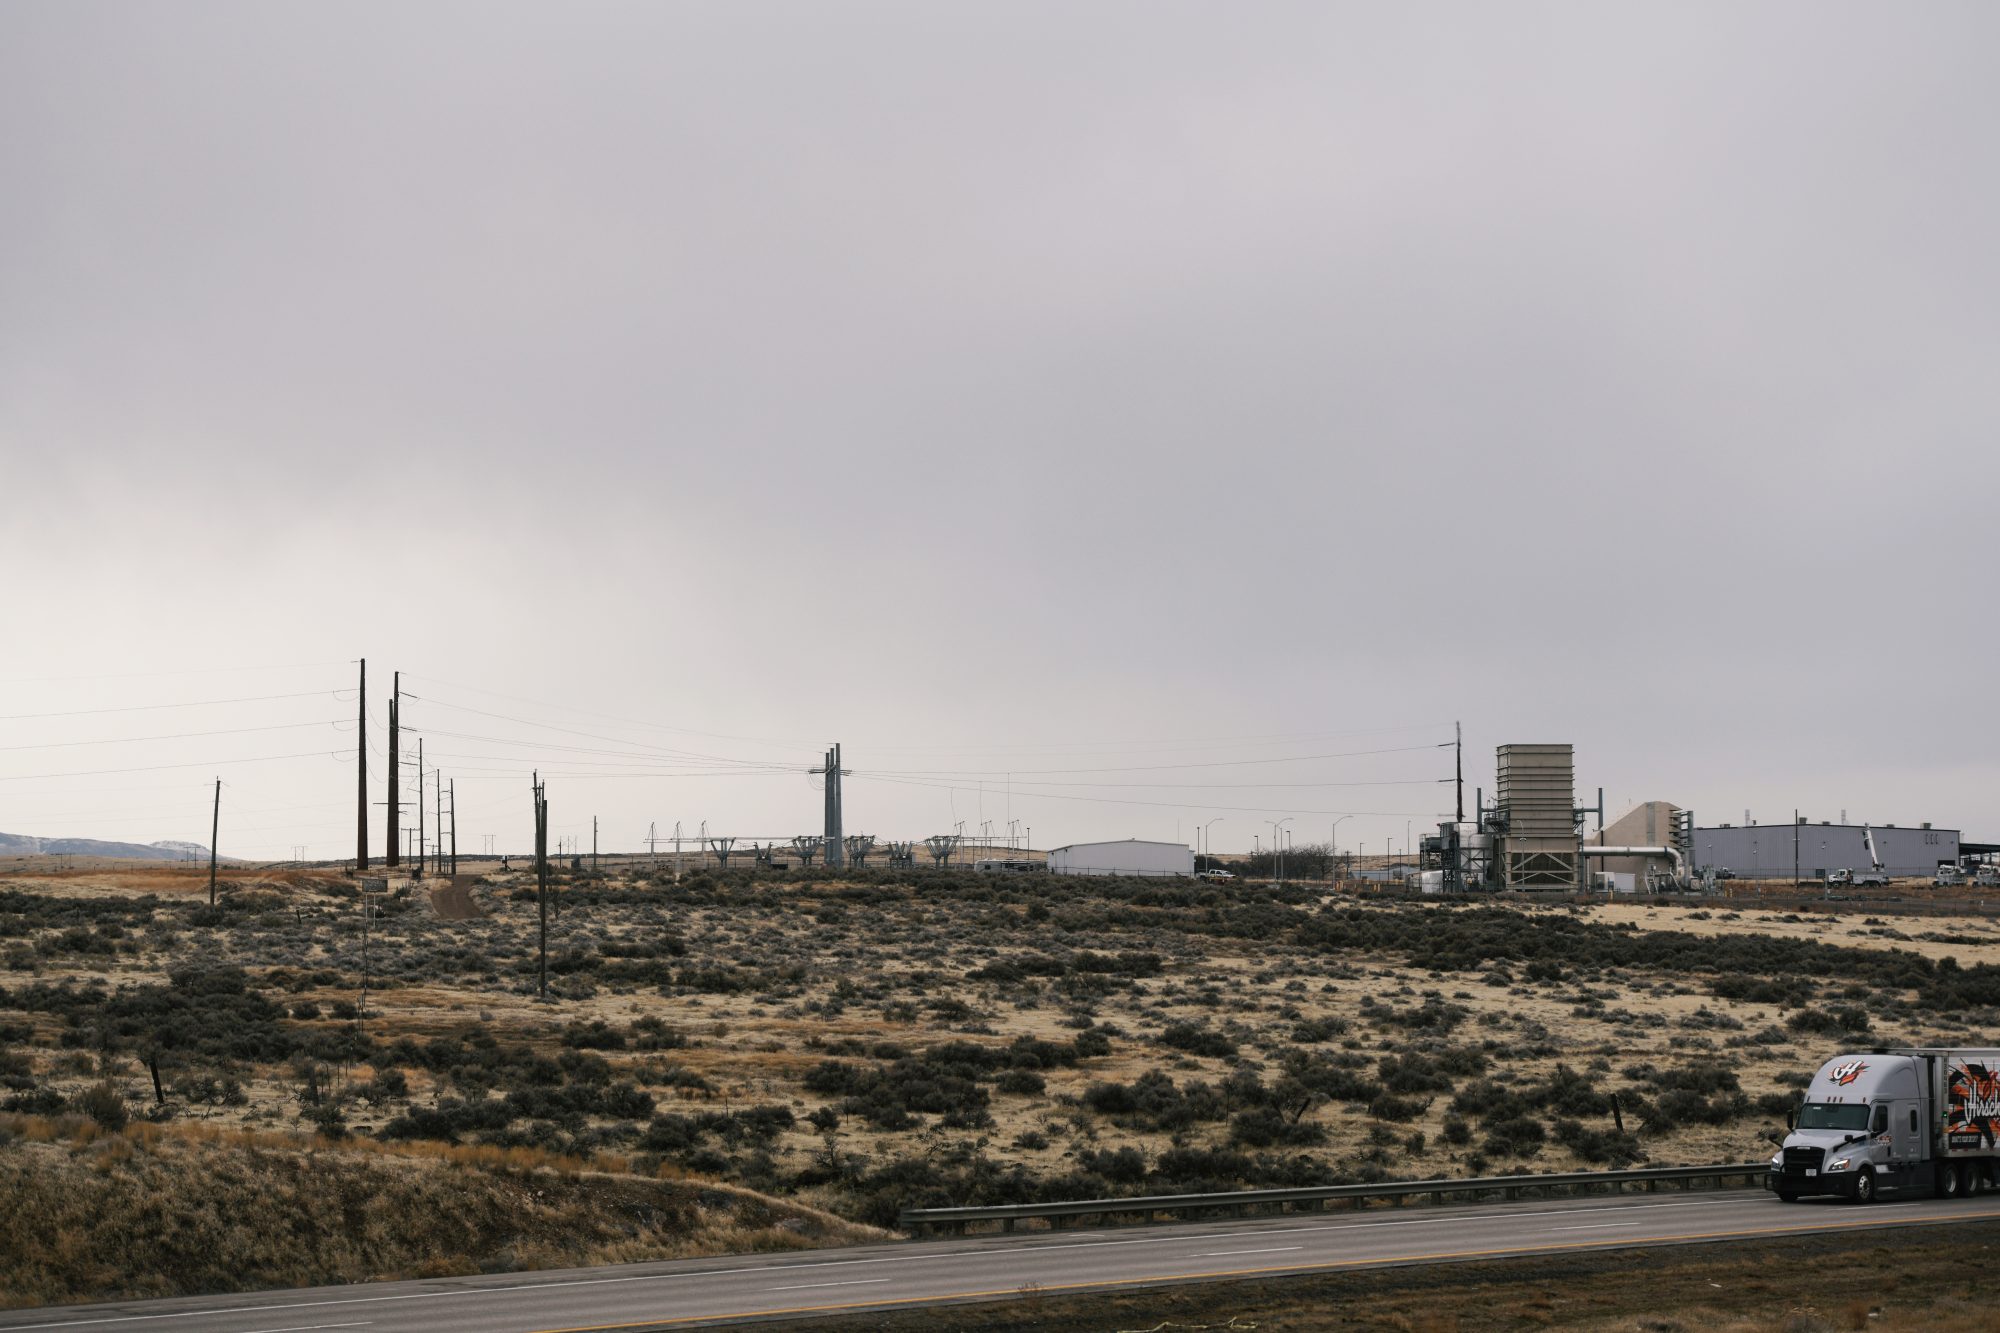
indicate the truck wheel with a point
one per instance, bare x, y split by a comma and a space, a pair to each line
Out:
1864, 1186
1786, 1194
1975, 1180
1949, 1183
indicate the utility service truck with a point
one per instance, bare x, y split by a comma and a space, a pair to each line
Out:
1906, 1121
1877, 874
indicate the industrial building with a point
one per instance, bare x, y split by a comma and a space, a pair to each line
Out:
1628, 850
1534, 809
1527, 838
1531, 836
1130, 857
1808, 850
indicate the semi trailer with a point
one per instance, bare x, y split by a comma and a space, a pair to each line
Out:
1898, 1121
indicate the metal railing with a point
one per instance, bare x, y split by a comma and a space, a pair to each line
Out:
1316, 1198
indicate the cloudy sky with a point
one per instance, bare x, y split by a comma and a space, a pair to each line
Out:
1189, 410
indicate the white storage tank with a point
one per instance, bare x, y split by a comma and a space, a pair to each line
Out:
1130, 857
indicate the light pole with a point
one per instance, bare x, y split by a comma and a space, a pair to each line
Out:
1333, 846
1277, 848
1207, 847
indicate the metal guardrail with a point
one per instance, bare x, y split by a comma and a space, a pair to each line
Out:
1316, 1198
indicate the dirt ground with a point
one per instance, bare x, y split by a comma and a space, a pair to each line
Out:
1970, 940
451, 898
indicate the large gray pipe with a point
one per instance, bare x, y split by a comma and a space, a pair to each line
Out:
1672, 854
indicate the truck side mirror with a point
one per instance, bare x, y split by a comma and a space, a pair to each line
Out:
1791, 1118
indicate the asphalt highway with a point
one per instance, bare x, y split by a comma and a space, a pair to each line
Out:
691, 1293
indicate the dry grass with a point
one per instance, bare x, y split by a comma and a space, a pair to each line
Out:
159, 1211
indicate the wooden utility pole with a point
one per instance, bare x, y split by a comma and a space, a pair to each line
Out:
420, 807
593, 844
542, 883
214, 829
361, 763
394, 856
1458, 766
454, 826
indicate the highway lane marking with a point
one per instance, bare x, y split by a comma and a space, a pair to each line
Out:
1596, 1226
1183, 1278
858, 1282
1217, 1254
305, 1328
969, 1253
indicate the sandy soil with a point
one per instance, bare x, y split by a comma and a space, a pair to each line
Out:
452, 900
1933, 937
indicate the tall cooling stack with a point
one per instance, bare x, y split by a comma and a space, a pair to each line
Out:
1537, 801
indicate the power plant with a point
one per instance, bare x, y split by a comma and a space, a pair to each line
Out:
1532, 835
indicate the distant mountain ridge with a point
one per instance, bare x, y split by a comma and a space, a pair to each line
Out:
20, 844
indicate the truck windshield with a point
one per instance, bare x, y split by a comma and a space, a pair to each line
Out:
1825, 1115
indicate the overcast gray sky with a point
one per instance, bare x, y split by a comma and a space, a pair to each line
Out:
997, 389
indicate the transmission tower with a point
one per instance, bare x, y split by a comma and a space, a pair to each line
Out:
834, 772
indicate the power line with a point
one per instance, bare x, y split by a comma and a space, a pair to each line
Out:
1192, 743
612, 717
145, 708
711, 764
588, 735
158, 768
175, 736
1218, 786
1150, 768
613, 759
1167, 805
188, 671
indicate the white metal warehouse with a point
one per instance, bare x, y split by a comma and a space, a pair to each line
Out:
1130, 857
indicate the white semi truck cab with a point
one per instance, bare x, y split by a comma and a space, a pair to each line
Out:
1902, 1122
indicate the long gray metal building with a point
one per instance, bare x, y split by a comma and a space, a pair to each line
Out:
1774, 851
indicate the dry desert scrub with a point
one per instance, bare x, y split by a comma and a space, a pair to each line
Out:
881, 1039
155, 1211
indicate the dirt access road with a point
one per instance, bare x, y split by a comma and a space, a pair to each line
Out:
451, 899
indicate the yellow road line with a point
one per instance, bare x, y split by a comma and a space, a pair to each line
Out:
1856, 1224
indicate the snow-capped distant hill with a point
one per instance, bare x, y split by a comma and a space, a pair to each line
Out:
18, 844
